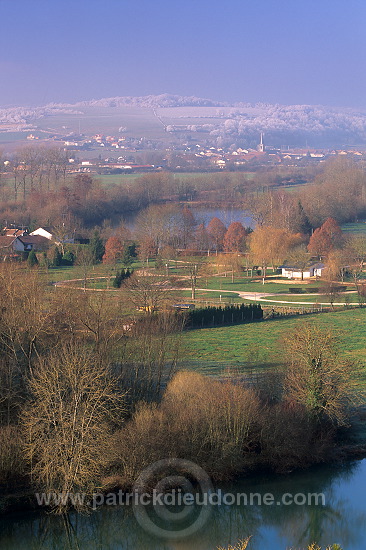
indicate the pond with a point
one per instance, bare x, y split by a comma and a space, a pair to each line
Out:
204, 215
340, 518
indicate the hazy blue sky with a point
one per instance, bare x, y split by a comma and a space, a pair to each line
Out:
277, 51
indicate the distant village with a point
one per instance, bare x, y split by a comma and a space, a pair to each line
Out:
105, 154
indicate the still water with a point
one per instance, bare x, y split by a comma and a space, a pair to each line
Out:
341, 519
226, 215
204, 215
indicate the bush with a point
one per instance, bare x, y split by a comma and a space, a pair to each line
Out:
224, 427
212, 423
295, 290
287, 436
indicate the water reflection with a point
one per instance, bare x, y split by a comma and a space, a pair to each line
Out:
342, 519
204, 215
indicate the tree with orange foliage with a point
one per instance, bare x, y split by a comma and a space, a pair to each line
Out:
334, 231
325, 238
113, 250
234, 240
320, 243
216, 230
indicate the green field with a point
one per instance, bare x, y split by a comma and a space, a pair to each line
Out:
109, 180
259, 345
357, 227
118, 180
245, 284
316, 298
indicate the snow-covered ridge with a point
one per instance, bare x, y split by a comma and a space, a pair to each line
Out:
234, 120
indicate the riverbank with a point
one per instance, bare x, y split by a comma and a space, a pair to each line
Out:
24, 500
341, 519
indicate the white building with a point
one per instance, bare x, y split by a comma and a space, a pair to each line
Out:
49, 234
312, 270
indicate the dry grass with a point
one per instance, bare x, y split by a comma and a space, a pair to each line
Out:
242, 545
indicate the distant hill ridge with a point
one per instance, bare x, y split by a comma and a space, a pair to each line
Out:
280, 123
162, 100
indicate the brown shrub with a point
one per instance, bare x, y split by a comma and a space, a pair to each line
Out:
289, 439
212, 423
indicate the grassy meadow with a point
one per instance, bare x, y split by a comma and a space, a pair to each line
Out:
243, 347
246, 347
356, 227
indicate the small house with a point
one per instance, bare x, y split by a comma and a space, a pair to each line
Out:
294, 272
26, 243
50, 234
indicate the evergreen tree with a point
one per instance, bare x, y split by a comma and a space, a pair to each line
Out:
57, 257
68, 258
32, 259
96, 247
121, 276
299, 221
118, 279
45, 260
115, 283
129, 253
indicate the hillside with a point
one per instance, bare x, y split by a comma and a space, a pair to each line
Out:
173, 118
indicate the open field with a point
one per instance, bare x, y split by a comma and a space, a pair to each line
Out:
247, 284
138, 122
348, 298
213, 289
247, 347
194, 177
357, 227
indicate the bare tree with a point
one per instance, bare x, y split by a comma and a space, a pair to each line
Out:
24, 321
67, 424
149, 293
318, 378
149, 354
84, 259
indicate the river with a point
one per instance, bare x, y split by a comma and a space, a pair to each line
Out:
341, 518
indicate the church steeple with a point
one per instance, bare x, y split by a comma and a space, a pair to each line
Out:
260, 147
